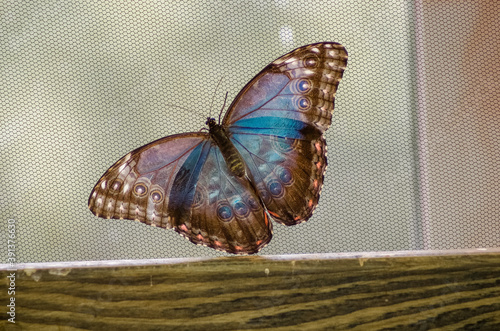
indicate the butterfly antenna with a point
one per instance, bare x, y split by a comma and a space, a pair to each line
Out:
213, 97
224, 105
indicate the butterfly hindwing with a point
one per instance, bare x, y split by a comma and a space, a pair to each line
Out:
287, 172
277, 123
225, 214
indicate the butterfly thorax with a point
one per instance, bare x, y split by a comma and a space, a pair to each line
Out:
229, 152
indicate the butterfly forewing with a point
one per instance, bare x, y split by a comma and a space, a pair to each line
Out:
300, 85
137, 186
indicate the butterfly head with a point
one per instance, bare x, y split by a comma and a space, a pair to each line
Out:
210, 122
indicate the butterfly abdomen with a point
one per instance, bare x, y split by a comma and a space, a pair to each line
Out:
231, 155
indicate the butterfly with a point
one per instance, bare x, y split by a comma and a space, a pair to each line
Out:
266, 160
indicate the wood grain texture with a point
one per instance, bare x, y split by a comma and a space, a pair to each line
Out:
410, 293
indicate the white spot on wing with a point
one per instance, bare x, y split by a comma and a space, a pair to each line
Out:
123, 165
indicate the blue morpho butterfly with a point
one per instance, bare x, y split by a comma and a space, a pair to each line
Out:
267, 158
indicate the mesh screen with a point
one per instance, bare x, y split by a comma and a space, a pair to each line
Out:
413, 148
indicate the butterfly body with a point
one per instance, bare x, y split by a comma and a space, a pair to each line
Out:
266, 159
229, 152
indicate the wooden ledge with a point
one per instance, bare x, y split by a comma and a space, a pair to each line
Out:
364, 293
